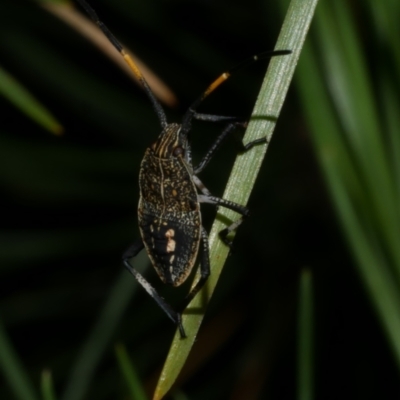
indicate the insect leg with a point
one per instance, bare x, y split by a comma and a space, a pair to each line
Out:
224, 203
225, 232
204, 267
231, 127
216, 145
171, 313
244, 211
200, 185
214, 118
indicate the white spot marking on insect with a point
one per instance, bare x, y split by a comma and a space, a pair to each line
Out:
171, 270
171, 242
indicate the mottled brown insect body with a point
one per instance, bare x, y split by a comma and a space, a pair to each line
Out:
169, 210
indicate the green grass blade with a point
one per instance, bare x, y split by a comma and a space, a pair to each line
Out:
351, 90
22, 99
97, 341
243, 176
385, 19
47, 386
13, 370
305, 383
131, 378
391, 106
365, 224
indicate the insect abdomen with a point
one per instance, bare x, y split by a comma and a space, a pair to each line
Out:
171, 245
169, 217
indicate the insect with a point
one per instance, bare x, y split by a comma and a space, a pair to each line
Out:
170, 191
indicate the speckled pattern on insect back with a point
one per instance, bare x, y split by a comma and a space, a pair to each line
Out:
169, 211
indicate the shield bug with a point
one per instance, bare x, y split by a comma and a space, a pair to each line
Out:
170, 191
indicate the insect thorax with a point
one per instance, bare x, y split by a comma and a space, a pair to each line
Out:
169, 211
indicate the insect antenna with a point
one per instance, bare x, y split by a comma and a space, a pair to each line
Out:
190, 113
114, 41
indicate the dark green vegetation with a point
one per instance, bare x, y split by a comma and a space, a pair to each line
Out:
69, 204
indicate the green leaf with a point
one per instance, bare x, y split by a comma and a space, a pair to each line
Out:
130, 374
26, 102
47, 386
355, 158
243, 176
13, 370
97, 341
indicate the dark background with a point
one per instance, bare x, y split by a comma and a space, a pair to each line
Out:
68, 211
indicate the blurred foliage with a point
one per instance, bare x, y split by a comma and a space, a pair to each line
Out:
69, 203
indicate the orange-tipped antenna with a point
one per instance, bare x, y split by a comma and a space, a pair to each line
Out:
113, 40
225, 76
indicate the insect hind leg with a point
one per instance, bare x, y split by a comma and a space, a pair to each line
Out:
171, 313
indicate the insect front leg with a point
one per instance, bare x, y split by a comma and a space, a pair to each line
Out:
171, 313
230, 128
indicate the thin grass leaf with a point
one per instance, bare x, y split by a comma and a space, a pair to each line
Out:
385, 17
243, 176
13, 369
391, 106
357, 108
305, 374
98, 340
131, 377
363, 231
26, 102
47, 386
